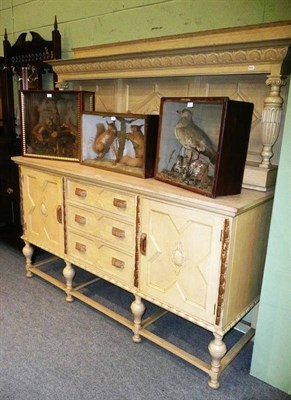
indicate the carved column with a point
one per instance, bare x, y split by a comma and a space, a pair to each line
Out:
271, 117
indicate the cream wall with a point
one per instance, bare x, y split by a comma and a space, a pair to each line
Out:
91, 22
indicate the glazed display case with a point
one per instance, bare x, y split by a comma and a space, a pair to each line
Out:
50, 122
203, 143
124, 143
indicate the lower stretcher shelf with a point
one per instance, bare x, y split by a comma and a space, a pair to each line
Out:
50, 268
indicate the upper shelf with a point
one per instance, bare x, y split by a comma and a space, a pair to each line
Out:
250, 50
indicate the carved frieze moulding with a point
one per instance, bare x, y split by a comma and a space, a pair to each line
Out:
244, 61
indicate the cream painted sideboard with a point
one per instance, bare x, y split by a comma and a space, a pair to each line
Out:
199, 258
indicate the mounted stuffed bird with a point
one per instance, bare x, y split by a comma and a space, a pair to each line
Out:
192, 137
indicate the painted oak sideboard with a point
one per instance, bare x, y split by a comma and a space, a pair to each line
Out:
196, 257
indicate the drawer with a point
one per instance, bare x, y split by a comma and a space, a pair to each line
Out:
119, 203
100, 259
115, 232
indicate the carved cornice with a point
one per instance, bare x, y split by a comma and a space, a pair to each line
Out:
237, 51
246, 61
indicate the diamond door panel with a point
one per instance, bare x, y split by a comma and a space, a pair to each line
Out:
42, 209
181, 267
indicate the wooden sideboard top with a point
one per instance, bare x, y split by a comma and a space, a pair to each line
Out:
226, 205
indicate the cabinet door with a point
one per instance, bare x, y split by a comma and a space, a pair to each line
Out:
42, 209
180, 258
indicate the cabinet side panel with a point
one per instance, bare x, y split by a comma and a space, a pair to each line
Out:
247, 258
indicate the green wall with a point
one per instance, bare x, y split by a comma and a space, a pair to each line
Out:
91, 22
271, 360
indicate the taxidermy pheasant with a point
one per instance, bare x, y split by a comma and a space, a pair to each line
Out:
192, 137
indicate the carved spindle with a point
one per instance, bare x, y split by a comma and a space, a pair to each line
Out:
56, 23
137, 309
271, 117
27, 251
217, 350
69, 274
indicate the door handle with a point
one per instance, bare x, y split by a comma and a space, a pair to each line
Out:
143, 243
59, 214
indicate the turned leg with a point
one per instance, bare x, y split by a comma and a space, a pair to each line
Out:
217, 350
137, 309
69, 274
27, 251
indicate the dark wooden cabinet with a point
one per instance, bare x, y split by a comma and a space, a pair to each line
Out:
22, 68
9, 146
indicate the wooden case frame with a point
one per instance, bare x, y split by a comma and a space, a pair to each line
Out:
202, 144
50, 122
123, 143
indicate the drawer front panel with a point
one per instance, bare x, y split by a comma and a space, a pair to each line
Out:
101, 259
118, 203
113, 231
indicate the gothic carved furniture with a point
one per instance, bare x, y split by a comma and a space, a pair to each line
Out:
28, 58
22, 67
9, 145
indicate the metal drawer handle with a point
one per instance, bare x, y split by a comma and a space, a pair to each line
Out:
119, 203
80, 219
118, 232
80, 247
117, 263
80, 192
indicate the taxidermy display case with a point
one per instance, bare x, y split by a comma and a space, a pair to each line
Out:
202, 144
124, 143
50, 122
